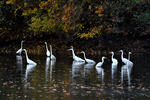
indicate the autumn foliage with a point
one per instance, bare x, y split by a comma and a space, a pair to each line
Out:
82, 19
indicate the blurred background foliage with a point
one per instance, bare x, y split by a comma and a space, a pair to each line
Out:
73, 18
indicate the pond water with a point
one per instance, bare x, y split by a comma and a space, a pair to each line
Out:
65, 79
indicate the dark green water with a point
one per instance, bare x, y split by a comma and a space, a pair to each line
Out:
67, 80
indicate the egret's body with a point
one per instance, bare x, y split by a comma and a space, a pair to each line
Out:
76, 58
124, 60
114, 61
88, 60
100, 63
20, 50
47, 51
52, 56
29, 61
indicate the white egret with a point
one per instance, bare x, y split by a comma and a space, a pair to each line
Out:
129, 55
52, 56
20, 50
76, 58
124, 60
87, 60
114, 61
47, 51
100, 63
29, 61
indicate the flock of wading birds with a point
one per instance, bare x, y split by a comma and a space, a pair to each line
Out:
78, 59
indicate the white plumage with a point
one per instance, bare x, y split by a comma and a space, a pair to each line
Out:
76, 58
52, 56
47, 51
20, 50
87, 60
100, 63
29, 61
114, 61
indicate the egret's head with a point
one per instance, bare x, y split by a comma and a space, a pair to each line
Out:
111, 52
130, 53
82, 51
104, 57
24, 49
70, 48
121, 51
22, 41
45, 42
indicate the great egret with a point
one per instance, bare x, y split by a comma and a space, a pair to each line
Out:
129, 55
78, 59
87, 60
124, 60
100, 63
29, 61
114, 61
47, 51
52, 56
20, 50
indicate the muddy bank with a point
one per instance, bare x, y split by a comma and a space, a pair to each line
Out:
91, 47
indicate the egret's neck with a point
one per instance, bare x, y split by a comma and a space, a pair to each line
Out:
112, 57
122, 55
73, 53
46, 46
129, 56
26, 55
51, 49
84, 55
102, 60
21, 45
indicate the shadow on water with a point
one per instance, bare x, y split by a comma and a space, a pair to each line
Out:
65, 79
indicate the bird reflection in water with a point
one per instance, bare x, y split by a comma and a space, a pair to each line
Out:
49, 68
126, 72
87, 69
113, 71
19, 63
100, 72
29, 69
77, 68
47, 65
52, 65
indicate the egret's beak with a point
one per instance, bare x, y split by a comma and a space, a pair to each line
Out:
119, 51
110, 52
68, 49
105, 57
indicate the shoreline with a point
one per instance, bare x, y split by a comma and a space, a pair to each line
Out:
90, 46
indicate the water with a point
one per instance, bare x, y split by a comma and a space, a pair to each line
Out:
68, 80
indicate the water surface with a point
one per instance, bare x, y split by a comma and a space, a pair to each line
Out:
65, 79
